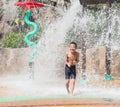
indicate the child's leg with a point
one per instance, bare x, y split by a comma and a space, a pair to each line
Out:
67, 85
72, 85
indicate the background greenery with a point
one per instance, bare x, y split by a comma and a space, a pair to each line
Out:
15, 37
14, 40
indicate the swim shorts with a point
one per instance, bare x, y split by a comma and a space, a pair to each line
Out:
70, 72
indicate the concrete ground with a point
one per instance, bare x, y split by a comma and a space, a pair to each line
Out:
67, 101
70, 102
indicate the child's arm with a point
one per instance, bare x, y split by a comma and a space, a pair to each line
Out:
66, 58
78, 57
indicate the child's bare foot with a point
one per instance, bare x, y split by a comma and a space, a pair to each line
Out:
71, 94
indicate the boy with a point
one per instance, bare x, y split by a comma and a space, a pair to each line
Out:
72, 58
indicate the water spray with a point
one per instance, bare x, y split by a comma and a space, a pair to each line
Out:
83, 51
108, 75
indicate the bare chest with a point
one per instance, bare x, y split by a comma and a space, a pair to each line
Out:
72, 57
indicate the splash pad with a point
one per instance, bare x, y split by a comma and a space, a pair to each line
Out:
37, 89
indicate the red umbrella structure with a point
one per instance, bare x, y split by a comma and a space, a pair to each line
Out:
29, 4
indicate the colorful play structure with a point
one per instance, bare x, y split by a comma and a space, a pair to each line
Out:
28, 5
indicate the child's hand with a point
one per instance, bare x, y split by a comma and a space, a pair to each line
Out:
68, 64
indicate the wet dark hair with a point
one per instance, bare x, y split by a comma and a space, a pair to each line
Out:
74, 44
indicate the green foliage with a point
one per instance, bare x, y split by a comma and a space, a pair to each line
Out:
19, 21
96, 5
14, 40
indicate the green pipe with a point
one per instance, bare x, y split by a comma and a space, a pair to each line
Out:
107, 77
31, 34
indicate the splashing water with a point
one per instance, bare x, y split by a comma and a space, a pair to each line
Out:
54, 38
49, 62
45, 62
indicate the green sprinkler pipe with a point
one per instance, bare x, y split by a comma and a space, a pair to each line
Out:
31, 34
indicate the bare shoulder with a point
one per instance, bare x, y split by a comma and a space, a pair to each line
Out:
77, 56
67, 53
77, 53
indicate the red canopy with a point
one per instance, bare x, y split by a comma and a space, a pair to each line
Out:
29, 4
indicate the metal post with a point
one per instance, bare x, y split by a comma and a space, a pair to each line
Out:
108, 55
31, 70
108, 45
108, 76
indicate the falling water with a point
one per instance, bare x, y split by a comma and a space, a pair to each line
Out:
49, 62
51, 56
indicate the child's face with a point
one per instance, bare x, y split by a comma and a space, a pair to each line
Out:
72, 48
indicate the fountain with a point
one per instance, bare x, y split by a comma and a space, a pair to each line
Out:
28, 4
107, 75
89, 32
